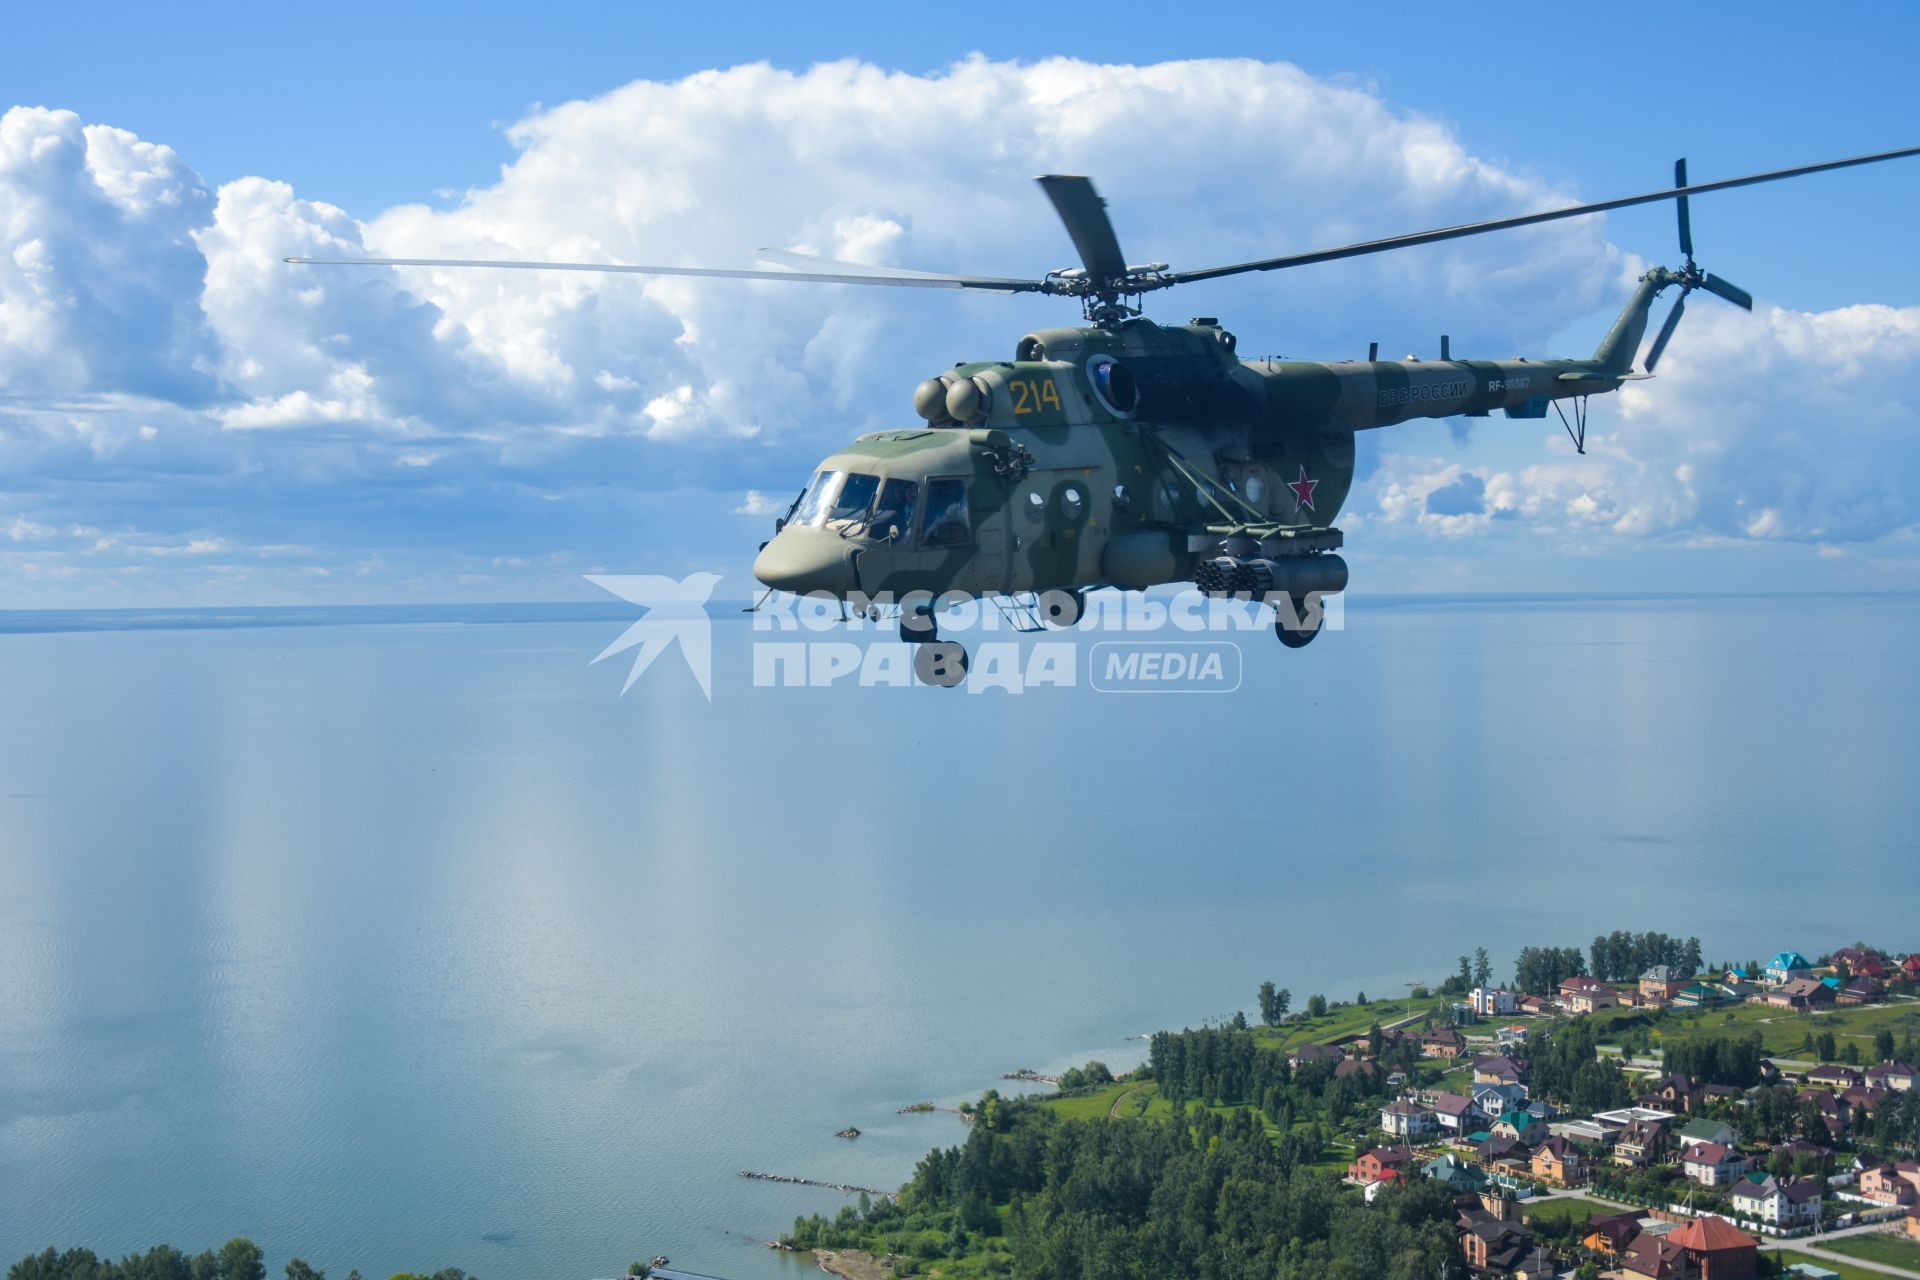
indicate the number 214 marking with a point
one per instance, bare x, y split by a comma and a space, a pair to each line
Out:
1029, 395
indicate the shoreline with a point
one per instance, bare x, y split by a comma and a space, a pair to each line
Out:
852, 1264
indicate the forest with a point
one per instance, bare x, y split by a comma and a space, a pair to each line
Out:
1206, 1194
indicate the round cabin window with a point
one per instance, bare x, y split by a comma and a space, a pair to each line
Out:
1072, 502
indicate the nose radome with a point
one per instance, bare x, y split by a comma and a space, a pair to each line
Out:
804, 560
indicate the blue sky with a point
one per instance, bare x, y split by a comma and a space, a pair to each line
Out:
200, 431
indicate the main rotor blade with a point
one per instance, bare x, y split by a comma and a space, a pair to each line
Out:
1727, 289
813, 263
1524, 220
867, 276
1686, 223
1665, 335
1085, 214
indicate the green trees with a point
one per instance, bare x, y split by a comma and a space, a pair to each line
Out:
1621, 956
1273, 1004
1825, 1047
1540, 970
1482, 967
1205, 1194
238, 1259
1883, 1044
1733, 1060
1316, 1006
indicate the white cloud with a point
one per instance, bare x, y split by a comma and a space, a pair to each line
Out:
759, 504
165, 370
1781, 425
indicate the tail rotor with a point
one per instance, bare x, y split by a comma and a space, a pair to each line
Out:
1690, 277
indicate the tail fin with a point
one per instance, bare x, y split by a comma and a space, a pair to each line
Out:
1615, 354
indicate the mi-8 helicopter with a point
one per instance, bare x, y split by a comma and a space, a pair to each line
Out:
1125, 453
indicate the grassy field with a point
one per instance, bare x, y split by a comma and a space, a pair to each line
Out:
1351, 1020
1564, 1209
1120, 1101
1791, 1256
1888, 1250
1783, 1033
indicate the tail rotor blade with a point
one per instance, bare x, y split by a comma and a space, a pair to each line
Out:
1665, 335
1726, 289
1686, 221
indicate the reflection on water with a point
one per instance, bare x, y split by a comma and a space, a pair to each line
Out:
405, 947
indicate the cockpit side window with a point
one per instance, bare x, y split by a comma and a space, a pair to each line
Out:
947, 524
894, 510
856, 495
814, 500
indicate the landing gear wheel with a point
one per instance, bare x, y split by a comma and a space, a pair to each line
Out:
1063, 608
941, 662
1296, 624
918, 625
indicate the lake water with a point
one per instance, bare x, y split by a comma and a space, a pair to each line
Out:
406, 946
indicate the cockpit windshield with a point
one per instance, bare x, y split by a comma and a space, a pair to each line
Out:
856, 496
813, 499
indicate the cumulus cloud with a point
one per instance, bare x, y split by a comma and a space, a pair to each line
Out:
1782, 425
169, 379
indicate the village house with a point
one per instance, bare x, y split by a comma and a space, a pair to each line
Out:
1457, 1175
1493, 1100
1521, 1125
1532, 1004
1910, 967
1308, 1053
1661, 983
1677, 1090
1859, 990
1787, 966
1718, 1250
1559, 1163
1802, 994
1892, 1183
1491, 1002
1593, 999
1699, 995
1493, 1247
1610, 1236
1832, 1075
1655, 1257
1642, 1143
1442, 1042
1497, 1068
1407, 1119
1895, 1075
1859, 961
1782, 1204
1712, 1164
1704, 1130
1456, 1113
1578, 984
1380, 1164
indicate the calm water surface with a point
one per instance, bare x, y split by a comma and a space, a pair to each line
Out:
400, 947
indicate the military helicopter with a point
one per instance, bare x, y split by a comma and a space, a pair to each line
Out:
1126, 453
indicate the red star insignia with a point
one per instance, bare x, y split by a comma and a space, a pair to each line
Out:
1303, 490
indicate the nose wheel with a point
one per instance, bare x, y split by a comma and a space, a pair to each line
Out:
938, 662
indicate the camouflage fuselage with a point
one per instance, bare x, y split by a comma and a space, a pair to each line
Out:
1074, 483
